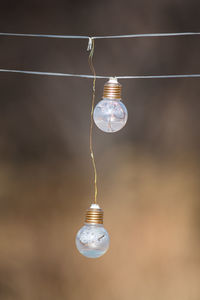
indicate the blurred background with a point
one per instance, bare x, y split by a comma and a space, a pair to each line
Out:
148, 172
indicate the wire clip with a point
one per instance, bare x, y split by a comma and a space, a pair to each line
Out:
89, 48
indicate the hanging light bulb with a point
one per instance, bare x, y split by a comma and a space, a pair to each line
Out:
92, 240
110, 114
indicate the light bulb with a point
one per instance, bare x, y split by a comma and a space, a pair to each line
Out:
110, 114
92, 240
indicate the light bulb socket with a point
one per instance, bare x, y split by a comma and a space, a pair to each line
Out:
94, 215
112, 89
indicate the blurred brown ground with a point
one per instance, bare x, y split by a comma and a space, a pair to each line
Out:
148, 173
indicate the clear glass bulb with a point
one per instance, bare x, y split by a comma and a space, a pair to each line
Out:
110, 115
92, 240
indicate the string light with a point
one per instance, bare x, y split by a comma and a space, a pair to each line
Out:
110, 115
92, 240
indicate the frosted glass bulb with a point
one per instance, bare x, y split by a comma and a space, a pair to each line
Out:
110, 114
92, 240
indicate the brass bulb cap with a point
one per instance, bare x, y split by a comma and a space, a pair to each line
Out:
112, 89
94, 215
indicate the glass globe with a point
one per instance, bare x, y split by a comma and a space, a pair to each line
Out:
92, 240
110, 115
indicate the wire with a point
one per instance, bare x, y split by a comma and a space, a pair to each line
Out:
90, 61
159, 76
54, 36
99, 37
99, 76
90, 38
146, 35
50, 73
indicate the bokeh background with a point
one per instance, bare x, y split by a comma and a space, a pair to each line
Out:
148, 172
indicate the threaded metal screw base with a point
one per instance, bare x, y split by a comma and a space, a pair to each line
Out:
94, 215
112, 89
